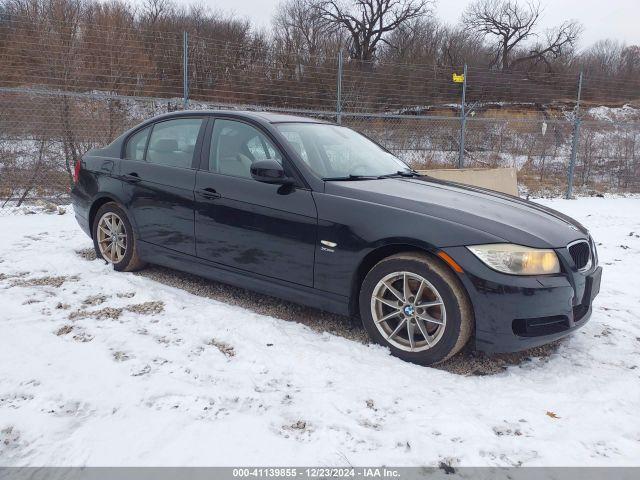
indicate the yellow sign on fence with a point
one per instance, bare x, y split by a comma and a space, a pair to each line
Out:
458, 78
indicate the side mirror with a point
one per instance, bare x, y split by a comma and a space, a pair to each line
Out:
269, 171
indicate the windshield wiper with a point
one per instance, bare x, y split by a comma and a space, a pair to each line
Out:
401, 173
351, 177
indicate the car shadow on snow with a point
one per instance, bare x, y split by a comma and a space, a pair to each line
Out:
467, 362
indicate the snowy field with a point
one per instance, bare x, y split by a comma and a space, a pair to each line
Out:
106, 368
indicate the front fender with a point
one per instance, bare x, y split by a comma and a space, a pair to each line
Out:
359, 227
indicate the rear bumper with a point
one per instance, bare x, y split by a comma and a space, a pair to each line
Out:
514, 313
81, 207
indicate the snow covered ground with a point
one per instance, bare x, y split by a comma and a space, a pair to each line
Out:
106, 368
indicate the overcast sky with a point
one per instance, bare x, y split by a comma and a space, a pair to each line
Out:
618, 19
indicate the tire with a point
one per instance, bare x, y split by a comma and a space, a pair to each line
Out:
440, 319
125, 258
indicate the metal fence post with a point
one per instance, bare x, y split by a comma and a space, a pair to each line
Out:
185, 69
339, 90
463, 118
574, 143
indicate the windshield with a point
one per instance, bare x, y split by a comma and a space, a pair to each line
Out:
335, 152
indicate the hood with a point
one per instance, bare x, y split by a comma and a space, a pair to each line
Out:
511, 218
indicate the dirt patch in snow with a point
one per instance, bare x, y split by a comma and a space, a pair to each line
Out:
82, 337
87, 254
468, 362
64, 330
4, 276
31, 301
121, 356
147, 308
14, 400
94, 300
44, 281
226, 349
9, 438
102, 314
113, 313
299, 425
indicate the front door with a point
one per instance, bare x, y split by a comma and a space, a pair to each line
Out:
265, 229
158, 177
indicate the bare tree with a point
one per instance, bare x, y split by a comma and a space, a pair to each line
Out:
611, 58
513, 26
299, 28
459, 45
154, 10
602, 58
368, 21
631, 60
416, 41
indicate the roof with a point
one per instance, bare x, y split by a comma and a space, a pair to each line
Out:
271, 117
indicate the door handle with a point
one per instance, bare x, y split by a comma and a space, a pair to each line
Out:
208, 193
132, 177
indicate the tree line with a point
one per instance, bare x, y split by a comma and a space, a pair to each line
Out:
397, 54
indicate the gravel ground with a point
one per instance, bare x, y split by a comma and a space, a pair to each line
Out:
466, 362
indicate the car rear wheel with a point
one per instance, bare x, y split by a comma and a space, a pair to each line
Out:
413, 304
113, 238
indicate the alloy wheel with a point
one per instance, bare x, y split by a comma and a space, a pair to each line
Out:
408, 311
112, 237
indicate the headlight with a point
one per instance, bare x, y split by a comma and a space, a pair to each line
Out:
517, 259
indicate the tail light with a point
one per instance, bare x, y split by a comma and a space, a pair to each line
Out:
76, 171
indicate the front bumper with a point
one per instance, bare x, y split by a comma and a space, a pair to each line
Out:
513, 313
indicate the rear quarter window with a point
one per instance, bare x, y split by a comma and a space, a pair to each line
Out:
136, 145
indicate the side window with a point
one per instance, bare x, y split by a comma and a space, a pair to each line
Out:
261, 148
236, 145
173, 142
136, 145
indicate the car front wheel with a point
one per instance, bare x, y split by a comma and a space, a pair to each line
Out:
113, 238
413, 304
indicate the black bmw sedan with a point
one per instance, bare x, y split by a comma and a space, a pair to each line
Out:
318, 214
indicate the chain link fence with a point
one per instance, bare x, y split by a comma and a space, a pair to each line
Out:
61, 95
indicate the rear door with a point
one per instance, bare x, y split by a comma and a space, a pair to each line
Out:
257, 227
158, 175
